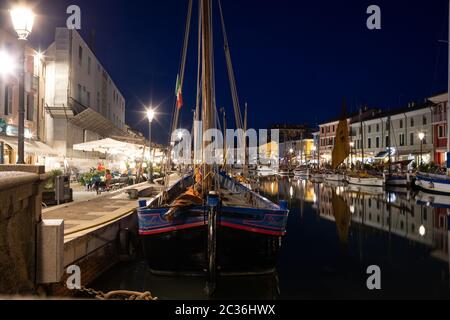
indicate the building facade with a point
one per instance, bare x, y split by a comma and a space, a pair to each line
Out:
399, 131
34, 84
439, 127
81, 99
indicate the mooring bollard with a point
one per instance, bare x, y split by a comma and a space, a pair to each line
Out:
283, 205
142, 203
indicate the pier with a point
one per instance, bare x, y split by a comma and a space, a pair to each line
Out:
97, 232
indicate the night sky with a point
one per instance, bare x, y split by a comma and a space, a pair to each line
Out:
294, 61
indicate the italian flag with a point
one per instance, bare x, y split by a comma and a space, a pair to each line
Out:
178, 93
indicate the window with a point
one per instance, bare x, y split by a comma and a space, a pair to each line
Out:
79, 93
378, 127
424, 120
387, 141
387, 124
30, 107
401, 124
401, 138
88, 99
8, 99
84, 135
369, 143
323, 131
369, 129
412, 122
80, 55
333, 128
441, 132
411, 138
89, 65
377, 142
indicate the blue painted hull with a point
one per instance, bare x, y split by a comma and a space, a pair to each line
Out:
248, 238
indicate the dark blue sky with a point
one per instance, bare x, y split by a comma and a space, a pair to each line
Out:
294, 60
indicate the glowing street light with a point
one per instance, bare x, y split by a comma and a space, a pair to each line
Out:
422, 230
22, 20
352, 145
421, 137
150, 115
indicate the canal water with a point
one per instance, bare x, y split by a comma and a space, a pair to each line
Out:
335, 232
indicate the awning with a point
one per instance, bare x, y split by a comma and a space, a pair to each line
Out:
381, 155
37, 148
95, 122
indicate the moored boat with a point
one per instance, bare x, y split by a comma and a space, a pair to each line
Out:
249, 231
207, 222
334, 176
398, 180
364, 179
302, 171
434, 183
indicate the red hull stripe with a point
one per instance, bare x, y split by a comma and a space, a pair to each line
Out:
201, 223
174, 228
252, 229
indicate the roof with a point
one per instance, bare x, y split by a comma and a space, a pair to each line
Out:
387, 113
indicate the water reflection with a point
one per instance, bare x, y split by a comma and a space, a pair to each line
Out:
403, 232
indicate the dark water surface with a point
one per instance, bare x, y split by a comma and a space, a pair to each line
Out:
335, 232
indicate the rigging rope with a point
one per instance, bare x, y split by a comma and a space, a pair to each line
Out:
176, 110
231, 77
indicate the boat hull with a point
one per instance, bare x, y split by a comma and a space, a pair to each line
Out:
248, 238
397, 182
334, 177
438, 184
183, 252
361, 181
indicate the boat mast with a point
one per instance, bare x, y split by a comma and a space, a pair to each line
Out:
208, 116
389, 143
245, 143
362, 138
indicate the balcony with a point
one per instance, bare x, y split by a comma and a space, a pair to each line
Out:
439, 117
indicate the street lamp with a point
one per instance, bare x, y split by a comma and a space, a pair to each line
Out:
352, 145
22, 20
421, 137
150, 117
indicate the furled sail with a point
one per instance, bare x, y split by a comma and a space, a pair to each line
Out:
341, 148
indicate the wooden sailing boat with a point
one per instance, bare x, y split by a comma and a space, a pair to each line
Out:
341, 149
363, 177
208, 221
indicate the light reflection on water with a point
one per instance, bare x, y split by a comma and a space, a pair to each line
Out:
335, 232
338, 230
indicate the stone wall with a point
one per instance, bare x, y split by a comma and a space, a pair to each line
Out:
20, 212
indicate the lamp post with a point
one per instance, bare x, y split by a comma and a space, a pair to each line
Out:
23, 20
313, 149
352, 144
150, 116
421, 137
